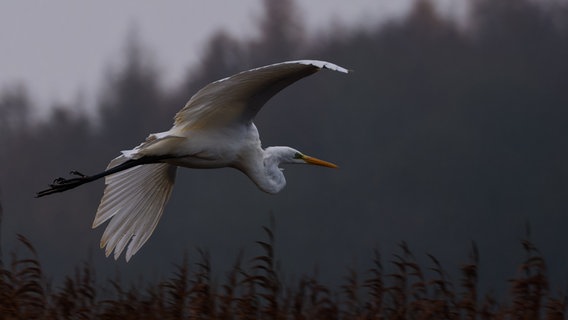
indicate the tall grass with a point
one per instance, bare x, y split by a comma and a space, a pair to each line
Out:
254, 289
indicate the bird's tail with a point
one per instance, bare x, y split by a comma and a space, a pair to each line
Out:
133, 200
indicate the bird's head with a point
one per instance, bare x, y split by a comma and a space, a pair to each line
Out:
287, 155
301, 158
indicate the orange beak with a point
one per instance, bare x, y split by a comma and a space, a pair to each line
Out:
318, 162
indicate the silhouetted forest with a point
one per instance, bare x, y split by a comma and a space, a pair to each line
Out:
444, 133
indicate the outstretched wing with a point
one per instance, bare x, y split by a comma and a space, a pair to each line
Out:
238, 98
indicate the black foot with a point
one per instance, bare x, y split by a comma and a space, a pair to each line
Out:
62, 184
77, 173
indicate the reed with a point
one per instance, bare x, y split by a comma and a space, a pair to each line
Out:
255, 290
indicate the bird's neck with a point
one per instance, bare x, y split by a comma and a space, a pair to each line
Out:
266, 174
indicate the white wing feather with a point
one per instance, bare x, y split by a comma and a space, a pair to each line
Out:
238, 98
133, 200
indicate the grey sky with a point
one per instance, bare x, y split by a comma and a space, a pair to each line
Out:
59, 47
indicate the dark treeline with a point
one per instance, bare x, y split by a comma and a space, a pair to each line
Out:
444, 134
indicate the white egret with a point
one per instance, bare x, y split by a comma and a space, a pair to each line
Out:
215, 129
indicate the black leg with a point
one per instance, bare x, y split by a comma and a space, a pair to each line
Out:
62, 184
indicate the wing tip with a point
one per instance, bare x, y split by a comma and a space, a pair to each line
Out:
323, 65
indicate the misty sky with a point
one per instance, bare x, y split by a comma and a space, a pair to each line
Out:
60, 49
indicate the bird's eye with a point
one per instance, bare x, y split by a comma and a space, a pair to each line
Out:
298, 155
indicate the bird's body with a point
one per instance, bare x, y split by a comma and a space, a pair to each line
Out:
215, 129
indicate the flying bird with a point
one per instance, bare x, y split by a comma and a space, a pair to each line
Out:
214, 129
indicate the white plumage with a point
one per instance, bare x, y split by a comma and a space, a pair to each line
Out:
214, 129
